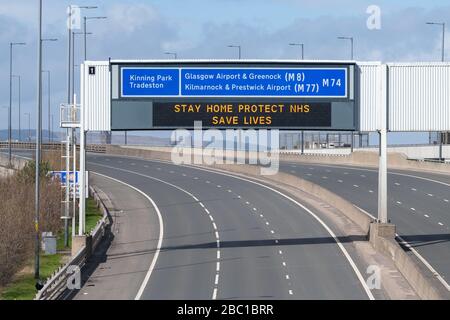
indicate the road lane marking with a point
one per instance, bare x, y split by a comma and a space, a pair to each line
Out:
272, 232
399, 202
397, 184
287, 277
207, 211
280, 252
426, 216
284, 264
413, 189
356, 186
413, 209
371, 191
160, 237
340, 181
214, 226
214, 297
339, 244
415, 252
440, 223
446, 200
290, 292
430, 194
147, 277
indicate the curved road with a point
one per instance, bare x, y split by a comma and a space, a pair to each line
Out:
225, 238
418, 203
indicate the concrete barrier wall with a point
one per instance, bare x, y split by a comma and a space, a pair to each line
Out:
17, 163
358, 158
423, 282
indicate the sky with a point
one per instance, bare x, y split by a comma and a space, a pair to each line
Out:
203, 29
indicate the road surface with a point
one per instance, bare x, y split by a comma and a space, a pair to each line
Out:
225, 238
418, 203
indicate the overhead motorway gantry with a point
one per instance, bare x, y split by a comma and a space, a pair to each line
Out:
340, 95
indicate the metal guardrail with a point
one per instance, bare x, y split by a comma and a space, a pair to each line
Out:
96, 148
56, 284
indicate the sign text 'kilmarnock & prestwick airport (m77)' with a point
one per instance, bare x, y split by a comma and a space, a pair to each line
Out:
237, 96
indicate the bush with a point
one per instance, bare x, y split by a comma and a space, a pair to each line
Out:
17, 216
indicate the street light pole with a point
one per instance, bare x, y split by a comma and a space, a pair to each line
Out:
175, 56
19, 100
300, 45
29, 125
38, 142
239, 49
351, 45
442, 24
85, 33
10, 97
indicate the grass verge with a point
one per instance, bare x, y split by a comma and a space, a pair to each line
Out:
23, 286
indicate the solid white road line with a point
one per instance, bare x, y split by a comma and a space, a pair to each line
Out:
339, 244
172, 185
160, 237
415, 252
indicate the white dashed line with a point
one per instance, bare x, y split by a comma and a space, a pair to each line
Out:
413, 209
440, 223
284, 264
219, 186
272, 232
413, 189
399, 202
397, 184
201, 205
146, 166
216, 280
246, 202
254, 209
184, 174
217, 235
371, 191
267, 223
340, 181
229, 191
324, 177
218, 266
430, 194
214, 226
208, 181
356, 186
287, 277
446, 200
214, 297
211, 218
218, 254
363, 176
290, 292
261, 215
280, 252
207, 211
426, 216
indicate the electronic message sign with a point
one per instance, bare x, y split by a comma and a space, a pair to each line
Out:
312, 96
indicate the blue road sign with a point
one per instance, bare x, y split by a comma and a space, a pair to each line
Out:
62, 176
235, 82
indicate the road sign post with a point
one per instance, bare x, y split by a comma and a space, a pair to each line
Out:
382, 169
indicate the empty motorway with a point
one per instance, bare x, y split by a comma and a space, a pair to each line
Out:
418, 204
227, 238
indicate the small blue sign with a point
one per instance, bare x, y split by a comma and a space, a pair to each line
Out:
150, 82
235, 82
62, 176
